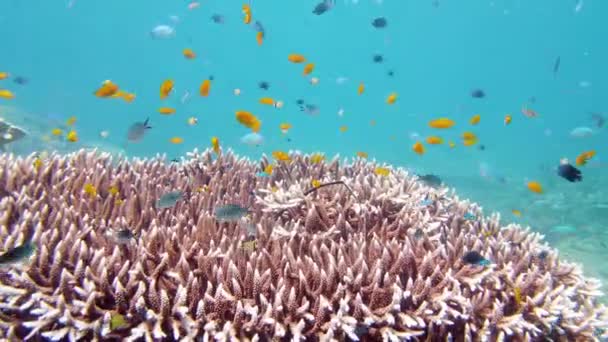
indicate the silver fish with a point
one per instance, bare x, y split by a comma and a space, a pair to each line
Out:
169, 199
138, 130
9, 134
18, 254
230, 213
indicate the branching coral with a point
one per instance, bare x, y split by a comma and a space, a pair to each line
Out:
329, 264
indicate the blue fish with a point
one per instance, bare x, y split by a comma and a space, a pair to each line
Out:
230, 213
469, 217
169, 199
474, 258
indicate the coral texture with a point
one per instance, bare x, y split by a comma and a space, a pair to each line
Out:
374, 264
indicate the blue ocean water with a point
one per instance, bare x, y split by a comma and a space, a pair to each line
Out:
438, 54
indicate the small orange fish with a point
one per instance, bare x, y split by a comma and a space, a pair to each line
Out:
469, 142
382, 171
129, 97
6, 94
247, 13
468, 136
248, 120
165, 89
361, 154
4, 75
391, 98
361, 88
107, 89
582, 158
296, 58
308, 69
516, 212
315, 183
271, 102
280, 155
508, 119
189, 54
433, 140
56, 132
215, 144
442, 123
176, 140
343, 129
475, 119
205, 87
535, 187
166, 110
418, 148
259, 37
268, 169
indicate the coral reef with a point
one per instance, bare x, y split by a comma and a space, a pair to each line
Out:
329, 264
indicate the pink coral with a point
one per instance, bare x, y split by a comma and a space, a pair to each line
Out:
330, 264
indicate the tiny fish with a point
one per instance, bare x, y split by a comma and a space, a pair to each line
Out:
252, 139
469, 216
426, 202
123, 236
263, 85
309, 109
556, 66
18, 254
478, 94
379, 22
218, 18
162, 32
430, 180
474, 258
230, 213
323, 6
20, 80
169, 199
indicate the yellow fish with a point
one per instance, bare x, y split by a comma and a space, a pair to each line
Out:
296, 58
72, 136
90, 190
113, 190
418, 148
4, 75
189, 54
248, 120
285, 127
56, 132
433, 140
382, 171
308, 69
176, 140
215, 144
259, 37
391, 98
475, 119
315, 183
268, 169
317, 158
361, 88
166, 110
71, 121
6, 94
441, 123
343, 129
361, 154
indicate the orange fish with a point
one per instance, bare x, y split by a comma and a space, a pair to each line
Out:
584, 157
535, 187
469, 136
248, 120
418, 148
343, 129
271, 102
107, 89
433, 140
205, 87
176, 140
72, 136
189, 54
165, 89
308, 69
442, 123
166, 110
296, 58
362, 155
259, 37
391, 98
247, 13
129, 97
382, 171
508, 119
361, 88
215, 143
4, 75
475, 119
280, 155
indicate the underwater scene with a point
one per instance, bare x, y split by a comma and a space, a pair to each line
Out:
311, 170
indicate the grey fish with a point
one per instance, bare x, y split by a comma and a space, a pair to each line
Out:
169, 199
123, 236
258, 27
138, 130
9, 134
309, 108
430, 180
556, 65
230, 213
323, 7
18, 254
218, 18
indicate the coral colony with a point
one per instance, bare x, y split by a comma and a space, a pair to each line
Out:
326, 264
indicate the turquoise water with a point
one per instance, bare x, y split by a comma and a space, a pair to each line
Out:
439, 54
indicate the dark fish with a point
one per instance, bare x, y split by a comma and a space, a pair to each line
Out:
230, 213
21, 80
543, 255
309, 109
569, 172
474, 258
264, 85
598, 119
378, 58
323, 7
430, 180
482, 147
556, 66
175, 160
478, 94
218, 18
169, 199
258, 27
300, 102
390, 73
138, 130
123, 236
379, 22
17, 254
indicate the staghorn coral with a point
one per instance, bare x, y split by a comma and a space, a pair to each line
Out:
329, 265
